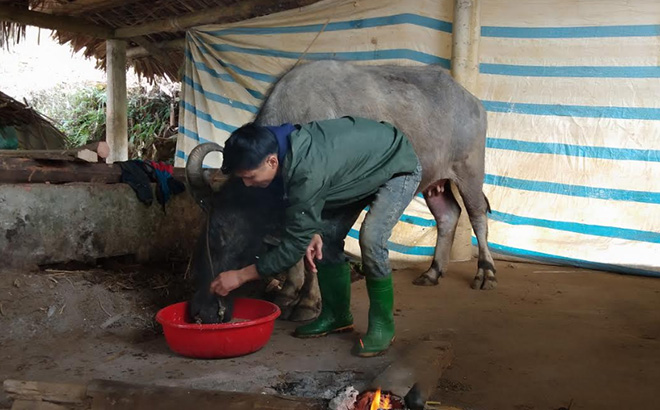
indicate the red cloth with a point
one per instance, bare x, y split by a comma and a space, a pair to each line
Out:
161, 166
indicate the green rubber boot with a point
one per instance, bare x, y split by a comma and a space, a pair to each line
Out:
335, 316
380, 334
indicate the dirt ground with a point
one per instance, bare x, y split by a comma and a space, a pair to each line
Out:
546, 338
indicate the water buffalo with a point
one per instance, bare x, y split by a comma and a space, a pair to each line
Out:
445, 123
240, 224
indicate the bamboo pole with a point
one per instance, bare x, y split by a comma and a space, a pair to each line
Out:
116, 109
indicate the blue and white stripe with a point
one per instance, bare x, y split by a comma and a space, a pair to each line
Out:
573, 151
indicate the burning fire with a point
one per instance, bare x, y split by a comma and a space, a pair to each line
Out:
380, 402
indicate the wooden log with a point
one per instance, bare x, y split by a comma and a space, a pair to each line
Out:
58, 393
78, 8
415, 373
37, 405
117, 103
107, 394
136, 52
83, 154
27, 170
238, 11
150, 48
64, 23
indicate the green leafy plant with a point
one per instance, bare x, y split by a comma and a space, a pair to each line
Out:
80, 114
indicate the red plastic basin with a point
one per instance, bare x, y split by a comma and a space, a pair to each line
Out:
219, 340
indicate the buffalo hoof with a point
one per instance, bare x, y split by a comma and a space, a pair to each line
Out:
484, 280
287, 306
303, 314
286, 313
430, 278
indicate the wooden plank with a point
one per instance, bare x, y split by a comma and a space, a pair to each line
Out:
107, 394
27, 170
37, 405
64, 23
83, 154
44, 391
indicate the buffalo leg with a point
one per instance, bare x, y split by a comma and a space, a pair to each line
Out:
477, 205
336, 224
446, 212
309, 305
288, 296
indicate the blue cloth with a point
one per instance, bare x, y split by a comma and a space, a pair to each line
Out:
164, 188
282, 133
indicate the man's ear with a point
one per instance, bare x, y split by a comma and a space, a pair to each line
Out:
272, 161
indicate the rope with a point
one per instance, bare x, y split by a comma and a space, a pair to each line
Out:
313, 41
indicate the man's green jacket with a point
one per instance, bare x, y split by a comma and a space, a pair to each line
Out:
329, 164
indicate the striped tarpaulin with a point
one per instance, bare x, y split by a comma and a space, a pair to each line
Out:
571, 89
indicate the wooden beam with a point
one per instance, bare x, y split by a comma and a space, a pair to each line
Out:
28, 170
108, 394
73, 8
111, 395
238, 11
464, 69
150, 48
136, 52
53, 22
50, 392
117, 104
37, 405
64, 155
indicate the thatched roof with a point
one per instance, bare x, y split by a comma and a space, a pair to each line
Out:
154, 29
34, 131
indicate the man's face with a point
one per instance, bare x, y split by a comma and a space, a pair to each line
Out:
261, 176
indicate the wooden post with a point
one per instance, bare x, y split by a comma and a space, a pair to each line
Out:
465, 70
116, 109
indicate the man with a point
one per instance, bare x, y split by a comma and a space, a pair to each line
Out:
330, 171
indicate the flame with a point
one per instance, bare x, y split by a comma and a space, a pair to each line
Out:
385, 402
380, 402
362, 344
375, 401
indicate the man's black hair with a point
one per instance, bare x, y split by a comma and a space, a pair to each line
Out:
247, 148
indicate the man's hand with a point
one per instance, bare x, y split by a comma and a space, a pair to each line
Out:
313, 252
233, 279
